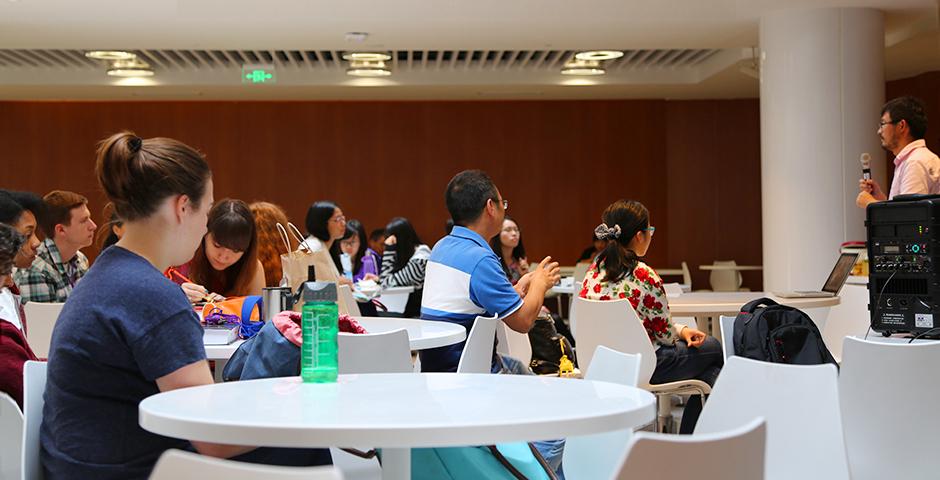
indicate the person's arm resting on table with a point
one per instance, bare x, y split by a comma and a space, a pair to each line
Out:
193, 375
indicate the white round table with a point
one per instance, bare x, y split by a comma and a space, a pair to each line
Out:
706, 305
740, 268
396, 412
422, 334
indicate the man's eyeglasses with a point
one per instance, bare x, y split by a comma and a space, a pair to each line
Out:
505, 204
882, 123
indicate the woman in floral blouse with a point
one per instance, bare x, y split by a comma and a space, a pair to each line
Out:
682, 352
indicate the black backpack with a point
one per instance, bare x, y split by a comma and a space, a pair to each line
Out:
770, 332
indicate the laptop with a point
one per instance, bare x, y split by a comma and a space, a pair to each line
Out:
840, 273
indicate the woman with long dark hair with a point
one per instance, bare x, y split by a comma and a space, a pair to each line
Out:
362, 259
682, 352
226, 262
326, 226
510, 250
404, 262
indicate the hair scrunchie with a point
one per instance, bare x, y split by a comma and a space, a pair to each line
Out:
603, 232
135, 144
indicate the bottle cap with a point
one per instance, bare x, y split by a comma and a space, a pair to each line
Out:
318, 292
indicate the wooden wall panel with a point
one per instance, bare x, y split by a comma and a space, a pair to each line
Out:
694, 164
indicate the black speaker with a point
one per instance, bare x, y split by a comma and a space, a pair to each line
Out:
904, 285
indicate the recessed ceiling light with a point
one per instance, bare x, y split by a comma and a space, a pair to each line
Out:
368, 72
130, 72
583, 67
583, 71
110, 55
366, 56
599, 55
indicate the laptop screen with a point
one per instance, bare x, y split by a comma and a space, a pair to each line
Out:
840, 273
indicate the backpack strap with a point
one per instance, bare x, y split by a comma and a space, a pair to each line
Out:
506, 463
753, 305
542, 461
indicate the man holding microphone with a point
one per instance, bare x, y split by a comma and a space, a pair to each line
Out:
916, 169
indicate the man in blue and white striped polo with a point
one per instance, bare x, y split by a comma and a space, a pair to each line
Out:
464, 277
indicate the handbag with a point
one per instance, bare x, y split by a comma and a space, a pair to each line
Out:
247, 310
295, 264
551, 351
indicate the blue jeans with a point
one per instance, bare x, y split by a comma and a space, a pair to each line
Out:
551, 450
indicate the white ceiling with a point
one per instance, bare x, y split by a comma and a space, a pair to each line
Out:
523, 31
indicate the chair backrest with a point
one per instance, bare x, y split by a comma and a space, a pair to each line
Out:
686, 275
725, 280
11, 437
708, 456
597, 455
345, 291
849, 318
580, 270
477, 353
726, 324
34, 386
613, 324
40, 320
801, 406
883, 389
385, 352
177, 464
512, 343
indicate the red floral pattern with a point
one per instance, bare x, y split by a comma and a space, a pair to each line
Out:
644, 289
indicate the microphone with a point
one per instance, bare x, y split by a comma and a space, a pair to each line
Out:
865, 160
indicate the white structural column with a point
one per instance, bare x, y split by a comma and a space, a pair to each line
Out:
822, 88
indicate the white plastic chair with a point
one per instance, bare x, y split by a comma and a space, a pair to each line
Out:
686, 275
886, 393
597, 456
705, 456
614, 324
346, 298
177, 464
11, 438
580, 270
726, 324
801, 406
849, 318
40, 321
385, 352
34, 385
477, 353
725, 280
513, 343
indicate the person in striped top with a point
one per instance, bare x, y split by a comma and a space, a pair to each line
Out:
404, 262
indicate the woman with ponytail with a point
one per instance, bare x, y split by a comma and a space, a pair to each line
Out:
126, 331
682, 352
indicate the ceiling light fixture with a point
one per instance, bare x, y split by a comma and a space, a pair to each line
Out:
366, 56
129, 69
110, 55
598, 55
368, 68
582, 67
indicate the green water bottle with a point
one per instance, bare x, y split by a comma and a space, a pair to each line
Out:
320, 327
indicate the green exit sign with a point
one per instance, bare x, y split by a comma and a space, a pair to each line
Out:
258, 74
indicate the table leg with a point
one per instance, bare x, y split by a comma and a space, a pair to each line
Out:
396, 464
219, 367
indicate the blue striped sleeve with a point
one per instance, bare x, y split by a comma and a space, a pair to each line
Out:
490, 288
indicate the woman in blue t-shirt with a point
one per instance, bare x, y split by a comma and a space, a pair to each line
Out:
127, 332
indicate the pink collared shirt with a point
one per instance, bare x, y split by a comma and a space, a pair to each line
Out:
916, 170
